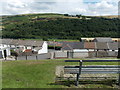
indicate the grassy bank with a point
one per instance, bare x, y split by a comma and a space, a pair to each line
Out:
37, 74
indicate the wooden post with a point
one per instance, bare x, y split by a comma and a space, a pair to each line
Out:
78, 74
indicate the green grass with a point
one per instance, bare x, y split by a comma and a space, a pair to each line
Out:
36, 74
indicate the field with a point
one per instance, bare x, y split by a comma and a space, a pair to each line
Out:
38, 74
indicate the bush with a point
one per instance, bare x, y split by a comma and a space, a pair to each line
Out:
13, 53
66, 14
45, 39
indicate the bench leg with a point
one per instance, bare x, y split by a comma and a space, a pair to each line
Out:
119, 80
77, 80
78, 75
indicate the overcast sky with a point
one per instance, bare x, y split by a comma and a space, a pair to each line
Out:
84, 7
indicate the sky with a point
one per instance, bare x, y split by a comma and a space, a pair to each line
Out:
73, 7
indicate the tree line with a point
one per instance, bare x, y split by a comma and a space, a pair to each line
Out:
62, 28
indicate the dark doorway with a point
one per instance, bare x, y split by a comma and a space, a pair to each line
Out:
1, 56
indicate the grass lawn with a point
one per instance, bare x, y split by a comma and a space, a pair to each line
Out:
37, 74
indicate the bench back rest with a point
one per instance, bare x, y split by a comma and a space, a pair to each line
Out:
92, 69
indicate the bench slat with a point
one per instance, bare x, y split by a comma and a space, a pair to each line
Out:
92, 60
95, 66
90, 71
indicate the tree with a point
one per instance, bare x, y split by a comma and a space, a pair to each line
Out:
66, 14
45, 39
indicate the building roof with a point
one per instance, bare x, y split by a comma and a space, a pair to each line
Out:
22, 42
118, 43
73, 45
5, 41
89, 45
37, 48
113, 46
14, 42
52, 43
101, 45
103, 39
31, 43
67, 47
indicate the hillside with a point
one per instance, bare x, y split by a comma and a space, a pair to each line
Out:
109, 16
58, 26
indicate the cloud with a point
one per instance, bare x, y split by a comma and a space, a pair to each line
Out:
103, 7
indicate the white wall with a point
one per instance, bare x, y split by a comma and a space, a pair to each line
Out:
80, 50
5, 47
44, 48
8, 51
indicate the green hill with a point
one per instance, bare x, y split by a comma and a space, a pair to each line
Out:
58, 26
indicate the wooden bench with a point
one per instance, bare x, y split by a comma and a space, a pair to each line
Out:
92, 69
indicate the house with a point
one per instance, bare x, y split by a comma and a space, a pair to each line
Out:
41, 47
113, 49
118, 50
102, 49
4, 49
102, 46
4, 52
87, 39
75, 49
73, 46
90, 46
32, 45
21, 46
113, 46
103, 39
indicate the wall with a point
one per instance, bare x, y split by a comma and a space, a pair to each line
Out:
44, 48
65, 54
35, 57
92, 54
80, 54
5, 47
112, 53
60, 54
101, 54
